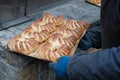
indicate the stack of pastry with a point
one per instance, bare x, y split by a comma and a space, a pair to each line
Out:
49, 37
94, 1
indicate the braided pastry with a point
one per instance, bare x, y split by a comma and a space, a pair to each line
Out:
52, 49
47, 17
23, 45
73, 24
84, 23
59, 20
49, 37
94, 1
69, 37
67, 32
50, 27
78, 27
38, 22
39, 34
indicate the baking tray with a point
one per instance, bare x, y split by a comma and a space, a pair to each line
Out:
32, 54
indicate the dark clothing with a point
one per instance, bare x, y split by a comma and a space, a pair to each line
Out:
92, 38
95, 34
101, 65
110, 24
104, 64
118, 10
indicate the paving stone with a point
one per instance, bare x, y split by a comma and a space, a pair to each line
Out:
7, 72
3, 42
6, 69
24, 25
79, 10
19, 67
73, 11
44, 73
14, 30
5, 35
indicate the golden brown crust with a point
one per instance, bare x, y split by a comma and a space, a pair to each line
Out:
78, 27
47, 17
48, 51
94, 1
50, 27
22, 45
39, 35
69, 37
59, 20
84, 23
73, 24
49, 37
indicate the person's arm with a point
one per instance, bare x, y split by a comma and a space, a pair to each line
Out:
101, 65
92, 38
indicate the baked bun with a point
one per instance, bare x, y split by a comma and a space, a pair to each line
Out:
69, 37
59, 20
52, 49
77, 26
49, 37
94, 1
23, 45
84, 24
50, 27
38, 34
47, 17
38, 22
73, 24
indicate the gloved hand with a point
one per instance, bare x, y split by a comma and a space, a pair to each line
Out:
60, 67
86, 42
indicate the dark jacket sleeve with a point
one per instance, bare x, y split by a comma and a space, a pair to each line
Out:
101, 65
92, 38
95, 35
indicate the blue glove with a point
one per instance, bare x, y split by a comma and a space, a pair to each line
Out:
86, 42
60, 67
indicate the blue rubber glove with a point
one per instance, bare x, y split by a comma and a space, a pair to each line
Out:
60, 67
86, 42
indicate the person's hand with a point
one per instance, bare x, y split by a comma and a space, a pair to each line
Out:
60, 67
85, 42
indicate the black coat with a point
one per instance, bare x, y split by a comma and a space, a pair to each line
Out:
110, 24
104, 64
